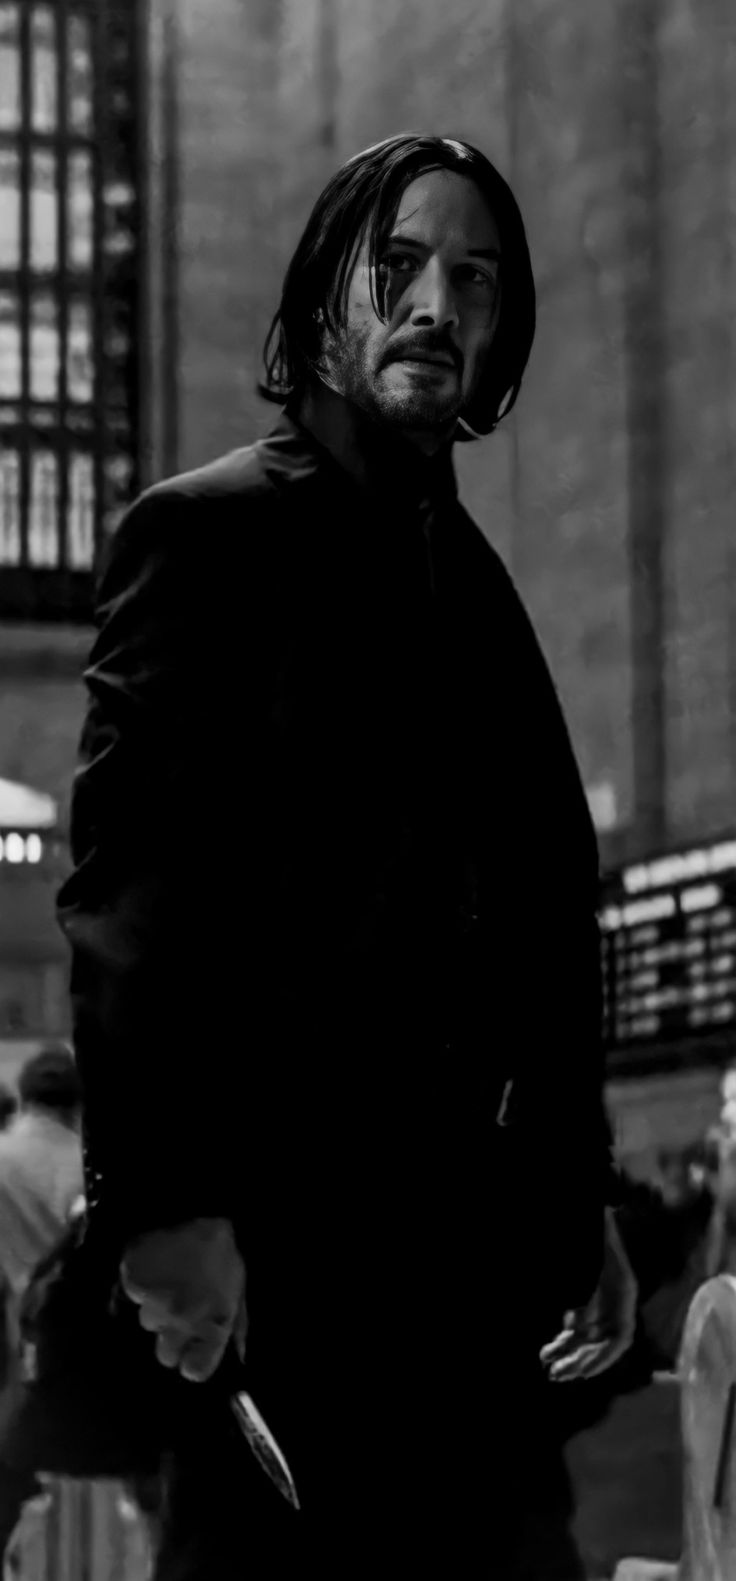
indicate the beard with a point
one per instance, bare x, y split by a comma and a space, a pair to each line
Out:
413, 403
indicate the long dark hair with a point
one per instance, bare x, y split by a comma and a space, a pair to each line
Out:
361, 200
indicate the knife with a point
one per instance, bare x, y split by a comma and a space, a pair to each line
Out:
261, 1441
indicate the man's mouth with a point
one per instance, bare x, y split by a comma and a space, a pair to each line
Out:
435, 361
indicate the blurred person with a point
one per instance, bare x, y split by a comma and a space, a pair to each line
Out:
706, 1162
671, 1180
41, 1178
41, 1171
8, 1109
391, 957
666, 1227
727, 1118
8, 1106
722, 1243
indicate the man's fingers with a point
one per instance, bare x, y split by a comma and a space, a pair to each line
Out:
170, 1347
576, 1365
135, 1292
177, 1309
196, 1348
585, 1362
196, 1355
556, 1346
156, 1315
202, 1355
188, 1284
174, 1302
151, 1318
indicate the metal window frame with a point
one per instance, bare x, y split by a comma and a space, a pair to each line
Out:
109, 425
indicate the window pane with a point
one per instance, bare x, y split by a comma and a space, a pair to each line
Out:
81, 518
9, 67
118, 199
80, 75
79, 420
9, 209
118, 421
79, 361
43, 69
44, 217
10, 368
43, 522
9, 507
45, 349
117, 343
80, 210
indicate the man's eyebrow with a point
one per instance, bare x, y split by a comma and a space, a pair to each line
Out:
401, 237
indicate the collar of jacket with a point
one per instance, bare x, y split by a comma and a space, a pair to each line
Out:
381, 463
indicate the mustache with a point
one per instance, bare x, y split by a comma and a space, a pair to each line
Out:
423, 346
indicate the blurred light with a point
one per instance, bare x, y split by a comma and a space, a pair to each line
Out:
638, 911
680, 865
18, 848
602, 803
15, 848
23, 808
728, 1086
700, 898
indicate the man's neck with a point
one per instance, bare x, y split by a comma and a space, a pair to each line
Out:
376, 455
428, 441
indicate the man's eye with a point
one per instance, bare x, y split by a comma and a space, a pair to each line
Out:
397, 263
481, 277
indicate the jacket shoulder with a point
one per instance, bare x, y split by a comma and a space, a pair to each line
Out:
170, 517
237, 475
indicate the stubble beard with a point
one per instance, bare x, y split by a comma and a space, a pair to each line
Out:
420, 410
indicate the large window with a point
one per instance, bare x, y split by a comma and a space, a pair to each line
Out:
70, 268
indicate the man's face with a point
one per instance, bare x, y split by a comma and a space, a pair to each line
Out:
439, 268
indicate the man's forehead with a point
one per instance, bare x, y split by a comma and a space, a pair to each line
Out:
444, 202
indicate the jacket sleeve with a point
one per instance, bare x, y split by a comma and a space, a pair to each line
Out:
557, 972
143, 908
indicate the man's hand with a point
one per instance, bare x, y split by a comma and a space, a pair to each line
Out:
189, 1283
598, 1335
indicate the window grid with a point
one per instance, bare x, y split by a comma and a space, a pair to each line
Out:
69, 296
61, 206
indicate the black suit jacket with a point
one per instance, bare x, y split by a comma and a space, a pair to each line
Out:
335, 881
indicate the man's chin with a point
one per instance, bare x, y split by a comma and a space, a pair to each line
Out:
419, 413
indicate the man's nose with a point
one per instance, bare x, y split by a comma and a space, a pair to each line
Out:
433, 302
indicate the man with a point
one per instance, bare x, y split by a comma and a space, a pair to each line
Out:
384, 953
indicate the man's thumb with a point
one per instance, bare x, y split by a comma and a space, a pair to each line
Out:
202, 1357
